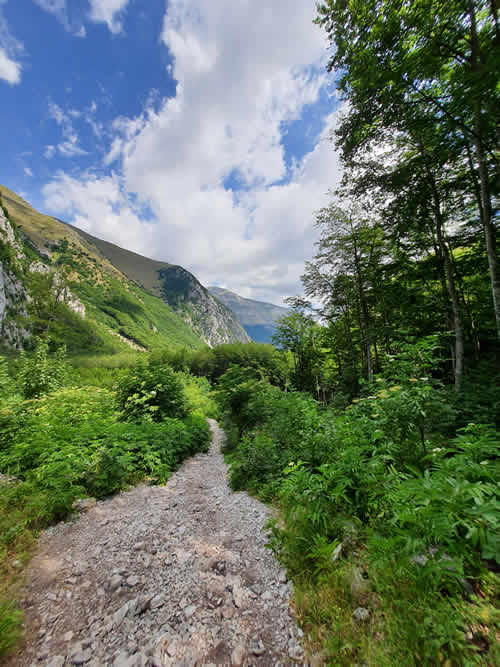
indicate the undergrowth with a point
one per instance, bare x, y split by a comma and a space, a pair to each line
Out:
61, 440
391, 505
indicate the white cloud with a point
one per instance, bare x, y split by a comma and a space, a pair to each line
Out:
243, 71
99, 206
50, 151
10, 50
70, 146
59, 9
109, 12
10, 70
28, 171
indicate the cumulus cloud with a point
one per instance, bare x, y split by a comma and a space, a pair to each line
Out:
28, 171
109, 12
244, 71
99, 206
10, 50
59, 9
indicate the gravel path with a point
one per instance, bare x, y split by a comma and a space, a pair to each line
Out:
171, 575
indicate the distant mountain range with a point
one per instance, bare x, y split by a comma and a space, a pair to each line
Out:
257, 317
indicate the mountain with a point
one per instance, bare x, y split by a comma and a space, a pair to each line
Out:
107, 298
257, 317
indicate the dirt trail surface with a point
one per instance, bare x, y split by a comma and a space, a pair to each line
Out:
171, 575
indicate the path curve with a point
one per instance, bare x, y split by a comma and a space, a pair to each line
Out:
156, 576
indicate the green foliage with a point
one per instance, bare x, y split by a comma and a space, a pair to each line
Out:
68, 442
41, 373
264, 360
10, 626
199, 397
383, 478
150, 392
6, 384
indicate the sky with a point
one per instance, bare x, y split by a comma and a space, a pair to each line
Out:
192, 131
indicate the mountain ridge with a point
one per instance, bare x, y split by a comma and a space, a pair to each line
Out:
258, 318
133, 300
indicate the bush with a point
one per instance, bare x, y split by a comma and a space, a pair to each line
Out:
41, 373
413, 505
150, 392
199, 397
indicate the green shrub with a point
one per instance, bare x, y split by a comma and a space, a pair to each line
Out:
413, 505
40, 372
150, 392
199, 396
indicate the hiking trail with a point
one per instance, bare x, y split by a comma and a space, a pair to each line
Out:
161, 575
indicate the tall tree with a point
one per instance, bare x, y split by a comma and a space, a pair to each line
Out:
401, 64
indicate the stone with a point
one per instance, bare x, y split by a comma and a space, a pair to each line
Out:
419, 559
238, 655
138, 546
257, 648
115, 582
143, 604
123, 659
337, 552
267, 596
132, 581
361, 615
132, 647
119, 615
157, 601
75, 649
56, 661
189, 611
358, 585
82, 658
84, 504
68, 636
238, 595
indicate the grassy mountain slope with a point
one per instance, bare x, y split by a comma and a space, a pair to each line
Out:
208, 316
119, 314
140, 299
257, 317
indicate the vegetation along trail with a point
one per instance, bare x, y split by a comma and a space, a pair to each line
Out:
161, 575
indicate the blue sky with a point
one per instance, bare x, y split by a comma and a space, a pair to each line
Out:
191, 131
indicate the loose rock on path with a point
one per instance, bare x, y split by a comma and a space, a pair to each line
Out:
165, 575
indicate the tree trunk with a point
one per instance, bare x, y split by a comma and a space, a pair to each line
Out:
452, 288
485, 199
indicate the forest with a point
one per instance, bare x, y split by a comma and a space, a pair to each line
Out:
371, 423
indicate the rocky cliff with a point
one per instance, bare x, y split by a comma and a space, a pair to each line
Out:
13, 294
209, 317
